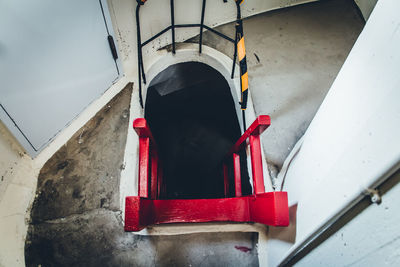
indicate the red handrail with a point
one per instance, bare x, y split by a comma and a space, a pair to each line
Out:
261, 123
148, 156
147, 208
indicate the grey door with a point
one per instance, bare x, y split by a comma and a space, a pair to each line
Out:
55, 59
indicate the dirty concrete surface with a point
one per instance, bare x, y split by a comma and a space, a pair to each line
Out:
76, 221
84, 174
97, 238
293, 57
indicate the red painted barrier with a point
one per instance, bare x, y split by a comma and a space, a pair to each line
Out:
147, 209
253, 133
150, 173
268, 208
236, 173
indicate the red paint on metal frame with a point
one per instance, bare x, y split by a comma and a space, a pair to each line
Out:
253, 133
261, 123
150, 171
226, 180
154, 175
236, 171
146, 209
267, 208
256, 164
144, 156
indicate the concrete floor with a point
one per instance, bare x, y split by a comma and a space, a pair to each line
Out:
293, 57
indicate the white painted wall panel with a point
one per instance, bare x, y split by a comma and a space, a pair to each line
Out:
54, 61
353, 141
370, 239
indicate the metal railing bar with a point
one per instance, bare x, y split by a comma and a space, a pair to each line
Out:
173, 25
219, 34
156, 36
203, 9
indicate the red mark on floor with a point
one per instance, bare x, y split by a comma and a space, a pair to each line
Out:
243, 249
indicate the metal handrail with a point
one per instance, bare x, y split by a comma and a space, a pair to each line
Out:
253, 133
150, 170
270, 208
140, 45
148, 161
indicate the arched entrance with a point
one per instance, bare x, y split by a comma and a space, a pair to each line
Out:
192, 115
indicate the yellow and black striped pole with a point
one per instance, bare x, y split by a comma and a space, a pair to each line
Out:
241, 52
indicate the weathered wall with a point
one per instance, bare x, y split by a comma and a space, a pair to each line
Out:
11, 158
17, 187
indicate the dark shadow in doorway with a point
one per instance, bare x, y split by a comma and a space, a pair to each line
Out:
190, 110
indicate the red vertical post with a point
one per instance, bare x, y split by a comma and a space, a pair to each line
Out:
160, 191
154, 174
162, 188
144, 145
236, 171
256, 164
226, 180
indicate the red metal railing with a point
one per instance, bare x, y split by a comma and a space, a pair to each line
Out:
149, 165
147, 208
253, 134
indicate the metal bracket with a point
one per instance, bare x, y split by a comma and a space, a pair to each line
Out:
374, 195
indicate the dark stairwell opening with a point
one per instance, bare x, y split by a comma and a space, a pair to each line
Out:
191, 113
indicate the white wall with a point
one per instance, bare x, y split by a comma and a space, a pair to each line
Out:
155, 16
365, 240
17, 188
10, 157
352, 143
50, 74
